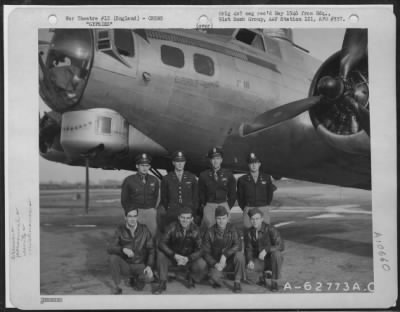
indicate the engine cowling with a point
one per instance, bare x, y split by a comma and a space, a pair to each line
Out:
101, 134
49, 137
333, 120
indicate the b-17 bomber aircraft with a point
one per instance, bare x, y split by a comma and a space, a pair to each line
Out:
115, 93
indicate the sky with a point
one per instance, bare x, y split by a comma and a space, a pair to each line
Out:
320, 42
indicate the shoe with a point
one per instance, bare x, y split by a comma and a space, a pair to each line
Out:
237, 288
267, 274
190, 282
132, 282
162, 286
274, 285
139, 285
116, 291
261, 281
214, 284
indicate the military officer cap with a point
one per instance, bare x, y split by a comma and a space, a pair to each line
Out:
143, 159
179, 156
254, 211
185, 210
220, 211
215, 151
252, 158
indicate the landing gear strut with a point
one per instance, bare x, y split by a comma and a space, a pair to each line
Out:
91, 153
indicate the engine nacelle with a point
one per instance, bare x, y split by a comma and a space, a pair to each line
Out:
333, 120
49, 137
82, 131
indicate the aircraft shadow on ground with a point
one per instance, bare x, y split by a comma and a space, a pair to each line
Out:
318, 234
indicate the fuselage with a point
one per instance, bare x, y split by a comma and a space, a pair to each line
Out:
189, 90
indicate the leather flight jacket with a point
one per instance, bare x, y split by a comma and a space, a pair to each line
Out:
215, 244
141, 243
268, 237
173, 241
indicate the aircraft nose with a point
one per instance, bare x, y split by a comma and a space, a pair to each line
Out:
66, 68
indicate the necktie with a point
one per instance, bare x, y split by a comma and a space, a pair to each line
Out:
216, 175
144, 179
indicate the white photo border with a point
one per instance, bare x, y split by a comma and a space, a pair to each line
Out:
21, 26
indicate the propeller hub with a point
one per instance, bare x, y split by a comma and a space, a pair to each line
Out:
330, 87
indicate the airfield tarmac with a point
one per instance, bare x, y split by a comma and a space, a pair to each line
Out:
327, 232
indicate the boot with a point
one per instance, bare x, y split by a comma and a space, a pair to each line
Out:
116, 291
262, 281
237, 288
274, 285
162, 286
139, 285
190, 282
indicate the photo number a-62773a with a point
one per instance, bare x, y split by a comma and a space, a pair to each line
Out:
329, 287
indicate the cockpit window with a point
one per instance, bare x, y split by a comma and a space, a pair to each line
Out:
251, 38
203, 64
273, 47
124, 42
172, 56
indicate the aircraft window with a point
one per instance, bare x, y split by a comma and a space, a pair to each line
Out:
104, 125
251, 38
172, 56
273, 47
203, 64
124, 42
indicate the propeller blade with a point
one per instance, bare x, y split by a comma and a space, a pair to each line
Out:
353, 49
279, 114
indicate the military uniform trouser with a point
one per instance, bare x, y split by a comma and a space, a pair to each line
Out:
149, 218
120, 267
263, 209
234, 263
209, 214
272, 262
197, 268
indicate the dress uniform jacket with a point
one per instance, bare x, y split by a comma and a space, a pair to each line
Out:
176, 194
175, 241
217, 243
267, 237
217, 191
136, 194
255, 194
141, 243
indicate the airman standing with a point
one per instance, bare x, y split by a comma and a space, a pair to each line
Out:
255, 189
179, 188
217, 187
141, 191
